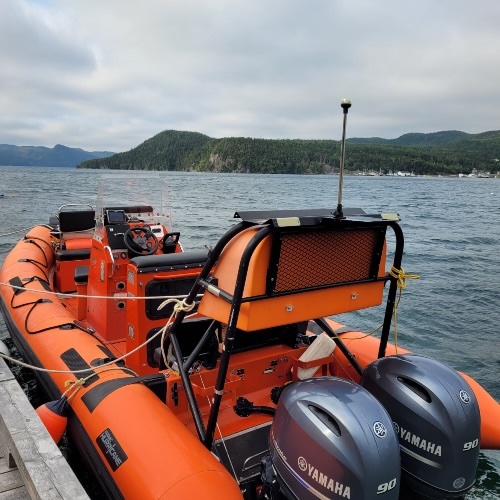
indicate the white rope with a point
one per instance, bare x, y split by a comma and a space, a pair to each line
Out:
106, 297
221, 436
179, 306
47, 370
75, 386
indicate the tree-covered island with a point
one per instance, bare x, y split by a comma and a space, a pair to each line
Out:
439, 153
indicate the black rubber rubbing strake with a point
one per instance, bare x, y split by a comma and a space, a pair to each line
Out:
74, 361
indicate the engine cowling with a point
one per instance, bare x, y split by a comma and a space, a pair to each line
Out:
330, 438
436, 417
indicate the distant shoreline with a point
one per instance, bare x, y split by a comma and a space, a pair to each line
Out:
348, 173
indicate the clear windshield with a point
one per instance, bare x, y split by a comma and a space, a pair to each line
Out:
141, 196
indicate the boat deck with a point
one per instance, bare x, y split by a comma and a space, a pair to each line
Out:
31, 464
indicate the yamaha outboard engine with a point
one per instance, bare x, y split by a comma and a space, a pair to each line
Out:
437, 420
330, 438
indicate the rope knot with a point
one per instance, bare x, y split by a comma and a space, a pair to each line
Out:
179, 305
75, 383
182, 305
401, 276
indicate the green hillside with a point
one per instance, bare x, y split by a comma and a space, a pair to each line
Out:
39, 156
167, 150
446, 153
433, 139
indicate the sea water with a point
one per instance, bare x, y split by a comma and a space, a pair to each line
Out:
452, 241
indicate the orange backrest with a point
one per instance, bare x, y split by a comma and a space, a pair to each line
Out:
296, 274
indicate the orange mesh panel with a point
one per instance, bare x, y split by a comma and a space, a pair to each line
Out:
325, 258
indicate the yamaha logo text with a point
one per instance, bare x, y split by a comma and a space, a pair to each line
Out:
323, 479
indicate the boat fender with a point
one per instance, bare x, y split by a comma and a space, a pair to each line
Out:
54, 415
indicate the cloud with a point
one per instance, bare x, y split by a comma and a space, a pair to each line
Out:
108, 75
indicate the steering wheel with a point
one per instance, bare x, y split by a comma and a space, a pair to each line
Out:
140, 240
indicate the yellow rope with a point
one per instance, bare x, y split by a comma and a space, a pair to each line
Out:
401, 278
74, 386
369, 334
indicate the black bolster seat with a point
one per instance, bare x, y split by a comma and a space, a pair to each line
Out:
170, 261
69, 255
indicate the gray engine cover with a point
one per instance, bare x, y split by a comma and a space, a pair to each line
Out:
437, 420
330, 438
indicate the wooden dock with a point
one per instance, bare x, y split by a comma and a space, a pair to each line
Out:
31, 464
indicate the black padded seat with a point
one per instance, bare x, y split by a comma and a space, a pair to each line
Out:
76, 220
69, 255
81, 275
167, 262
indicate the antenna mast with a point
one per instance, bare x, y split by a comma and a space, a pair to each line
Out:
345, 105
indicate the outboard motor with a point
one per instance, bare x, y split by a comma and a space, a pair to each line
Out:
437, 420
330, 438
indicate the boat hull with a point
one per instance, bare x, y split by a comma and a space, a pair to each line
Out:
139, 446
135, 444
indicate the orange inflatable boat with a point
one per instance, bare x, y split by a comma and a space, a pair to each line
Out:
221, 374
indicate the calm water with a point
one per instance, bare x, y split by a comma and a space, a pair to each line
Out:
452, 240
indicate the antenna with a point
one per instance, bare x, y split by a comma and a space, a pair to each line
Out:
345, 105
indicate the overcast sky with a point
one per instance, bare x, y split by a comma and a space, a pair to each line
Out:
109, 74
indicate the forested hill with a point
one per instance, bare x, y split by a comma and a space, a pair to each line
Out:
168, 150
39, 156
446, 153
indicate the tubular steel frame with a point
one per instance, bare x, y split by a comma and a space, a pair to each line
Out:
270, 227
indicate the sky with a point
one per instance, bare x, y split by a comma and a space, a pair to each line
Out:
109, 74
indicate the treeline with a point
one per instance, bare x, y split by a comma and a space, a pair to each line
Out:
446, 153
